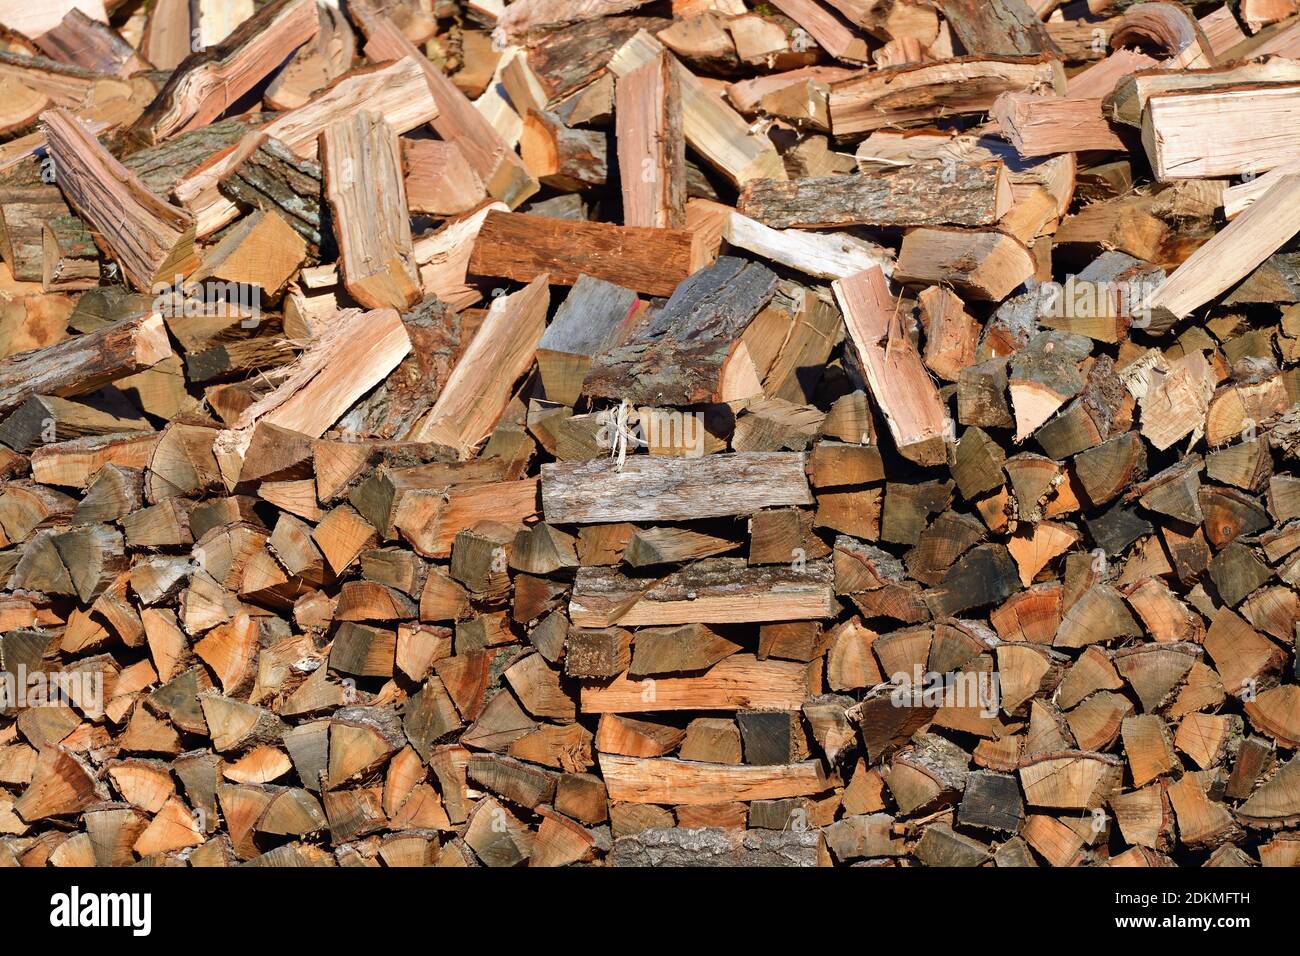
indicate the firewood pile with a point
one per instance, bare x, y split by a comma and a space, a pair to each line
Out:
798, 432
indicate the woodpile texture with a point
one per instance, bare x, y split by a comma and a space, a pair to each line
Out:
710, 433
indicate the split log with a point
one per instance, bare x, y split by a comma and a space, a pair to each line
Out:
476, 394
80, 365
714, 591
151, 240
367, 197
1171, 121
650, 488
689, 352
206, 85
903, 94
899, 382
652, 145
455, 118
520, 247
925, 194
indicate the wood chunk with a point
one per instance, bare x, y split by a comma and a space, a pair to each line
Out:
479, 388
592, 318
981, 265
367, 196
151, 240
651, 145
898, 380
1046, 125
667, 780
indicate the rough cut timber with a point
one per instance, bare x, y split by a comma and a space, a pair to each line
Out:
649, 488
926, 194
898, 380
151, 240
367, 198
518, 246
652, 145
207, 85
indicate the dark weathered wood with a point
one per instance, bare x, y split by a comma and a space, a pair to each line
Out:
594, 317
84, 363
925, 194
679, 356
273, 177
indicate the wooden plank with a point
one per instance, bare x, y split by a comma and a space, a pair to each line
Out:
518, 246
899, 382
735, 683
652, 488
691, 783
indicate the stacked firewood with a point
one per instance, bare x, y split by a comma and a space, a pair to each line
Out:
588, 431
